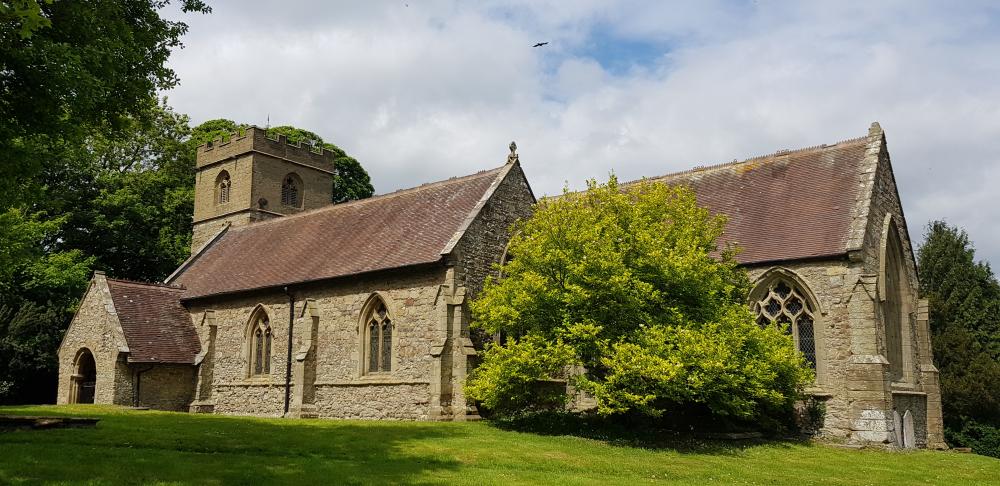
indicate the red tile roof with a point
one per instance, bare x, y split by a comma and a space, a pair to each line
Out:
407, 227
157, 327
785, 206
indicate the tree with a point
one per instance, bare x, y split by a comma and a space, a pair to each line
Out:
628, 284
131, 207
120, 203
77, 81
964, 301
66, 67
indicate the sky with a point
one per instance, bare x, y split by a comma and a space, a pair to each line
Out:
420, 91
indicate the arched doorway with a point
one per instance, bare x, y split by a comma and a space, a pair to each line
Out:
85, 377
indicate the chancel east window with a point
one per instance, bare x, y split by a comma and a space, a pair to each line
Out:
222, 187
784, 305
378, 339
892, 303
291, 191
260, 345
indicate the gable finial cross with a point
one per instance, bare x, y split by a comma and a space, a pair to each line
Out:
513, 153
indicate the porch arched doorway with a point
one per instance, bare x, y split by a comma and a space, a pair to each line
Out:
85, 377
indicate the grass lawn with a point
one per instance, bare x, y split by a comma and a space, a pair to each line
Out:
129, 447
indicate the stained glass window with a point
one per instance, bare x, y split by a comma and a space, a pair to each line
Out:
260, 346
379, 339
373, 346
784, 304
386, 345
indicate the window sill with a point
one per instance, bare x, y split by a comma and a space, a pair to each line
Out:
817, 392
260, 380
378, 376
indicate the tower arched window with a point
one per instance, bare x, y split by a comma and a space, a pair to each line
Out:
222, 187
780, 302
378, 328
291, 191
259, 336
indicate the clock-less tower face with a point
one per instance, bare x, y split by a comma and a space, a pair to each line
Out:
252, 177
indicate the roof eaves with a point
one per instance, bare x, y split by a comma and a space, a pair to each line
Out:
821, 256
190, 298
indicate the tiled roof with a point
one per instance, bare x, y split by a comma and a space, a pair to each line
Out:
407, 227
157, 327
785, 206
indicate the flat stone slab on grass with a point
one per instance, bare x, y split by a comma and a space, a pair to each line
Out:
8, 422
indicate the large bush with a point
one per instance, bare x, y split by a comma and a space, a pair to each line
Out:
629, 285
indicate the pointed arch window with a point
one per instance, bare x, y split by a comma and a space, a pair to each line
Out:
378, 338
223, 185
260, 338
291, 191
893, 296
782, 303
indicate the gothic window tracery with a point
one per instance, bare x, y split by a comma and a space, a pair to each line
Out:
783, 304
378, 339
260, 345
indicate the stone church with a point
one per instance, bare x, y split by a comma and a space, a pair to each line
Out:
292, 306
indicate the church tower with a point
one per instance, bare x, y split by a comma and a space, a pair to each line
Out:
251, 177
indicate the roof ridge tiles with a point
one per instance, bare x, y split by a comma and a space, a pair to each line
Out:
146, 284
757, 158
368, 200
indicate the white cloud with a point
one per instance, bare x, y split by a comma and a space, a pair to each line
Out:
420, 91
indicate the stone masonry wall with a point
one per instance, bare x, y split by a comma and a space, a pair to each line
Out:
240, 171
830, 282
166, 386
341, 390
269, 174
920, 380
93, 328
484, 241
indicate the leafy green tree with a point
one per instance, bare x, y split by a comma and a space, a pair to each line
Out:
628, 284
964, 299
134, 213
77, 80
66, 67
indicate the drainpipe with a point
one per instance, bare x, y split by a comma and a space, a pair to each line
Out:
138, 383
288, 360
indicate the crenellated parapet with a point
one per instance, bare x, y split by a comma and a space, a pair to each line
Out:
256, 139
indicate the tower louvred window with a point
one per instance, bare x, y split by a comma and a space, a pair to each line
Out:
290, 191
222, 187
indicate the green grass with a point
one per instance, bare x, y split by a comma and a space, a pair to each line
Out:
140, 447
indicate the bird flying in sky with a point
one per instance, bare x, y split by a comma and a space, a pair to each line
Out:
540, 44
